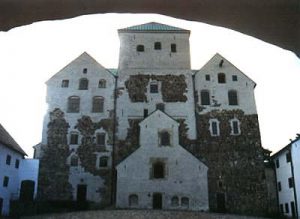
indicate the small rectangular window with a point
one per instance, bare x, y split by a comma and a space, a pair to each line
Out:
235, 126
288, 157
287, 210
153, 88
281, 208
5, 181
279, 186
8, 159
207, 77
145, 113
234, 78
17, 164
74, 138
65, 83
291, 182
214, 126
101, 139
84, 71
173, 47
277, 163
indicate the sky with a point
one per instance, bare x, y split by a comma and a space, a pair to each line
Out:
31, 54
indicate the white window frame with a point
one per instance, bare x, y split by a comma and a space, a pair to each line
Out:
239, 126
211, 121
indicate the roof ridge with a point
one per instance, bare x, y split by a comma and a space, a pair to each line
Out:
153, 26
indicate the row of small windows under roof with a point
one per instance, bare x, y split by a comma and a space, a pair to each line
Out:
84, 84
222, 78
74, 104
100, 139
157, 46
232, 97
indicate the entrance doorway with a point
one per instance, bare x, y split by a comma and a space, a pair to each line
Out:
27, 191
157, 201
221, 202
1, 206
81, 193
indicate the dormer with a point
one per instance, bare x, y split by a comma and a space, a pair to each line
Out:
154, 45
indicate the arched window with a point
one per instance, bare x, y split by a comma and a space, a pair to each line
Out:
140, 48
102, 83
235, 127
174, 201
74, 160
221, 78
157, 45
154, 87
133, 200
185, 202
73, 104
205, 99
98, 104
103, 161
158, 170
232, 98
83, 84
164, 138
214, 127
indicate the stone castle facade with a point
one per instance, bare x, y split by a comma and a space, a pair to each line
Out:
153, 133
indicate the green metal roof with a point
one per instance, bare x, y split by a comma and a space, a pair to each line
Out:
153, 27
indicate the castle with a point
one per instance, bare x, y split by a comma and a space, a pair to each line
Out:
153, 133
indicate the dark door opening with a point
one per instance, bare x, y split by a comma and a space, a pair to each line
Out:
293, 209
1, 206
27, 191
157, 201
81, 193
221, 202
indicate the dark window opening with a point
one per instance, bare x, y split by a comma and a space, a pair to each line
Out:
140, 48
291, 182
103, 161
81, 193
157, 45
232, 98
100, 139
158, 170
288, 157
173, 47
154, 88
293, 209
287, 210
207, 77
27, 191
175, 201
98, 104
164, 138
133, 200
220, 184
17, 164
205, 99
235, 127
8, 159
234, 78
277, 163
185, 202
214, 128
83, 84
5, 181
102, 83
281, 208
145, 113
279, 186
65, 83
73, 104
157, 201
221, 78
74, 138
160, 106
74, 161
84, 71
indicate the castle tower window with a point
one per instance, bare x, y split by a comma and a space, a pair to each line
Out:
102, 83
103, 161
174, 201
74, 161
173, 47
235, 127
160, 106
83, 84
74, 138
84, 71
98, 104
214, 127
232, 98
8, 159
100, 139
205, 99
157, 45
65, 83
207, 77
17, 164
185, 202
140, 48
5, 181
221, 78
234, 78
154, 87
158, 170
133, 200
288, 157
73, 104
164, 138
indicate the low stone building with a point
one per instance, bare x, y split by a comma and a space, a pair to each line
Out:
96, 117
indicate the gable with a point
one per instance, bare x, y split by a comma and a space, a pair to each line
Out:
158, 115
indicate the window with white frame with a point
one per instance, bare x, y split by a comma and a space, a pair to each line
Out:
214, 127
235, 127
